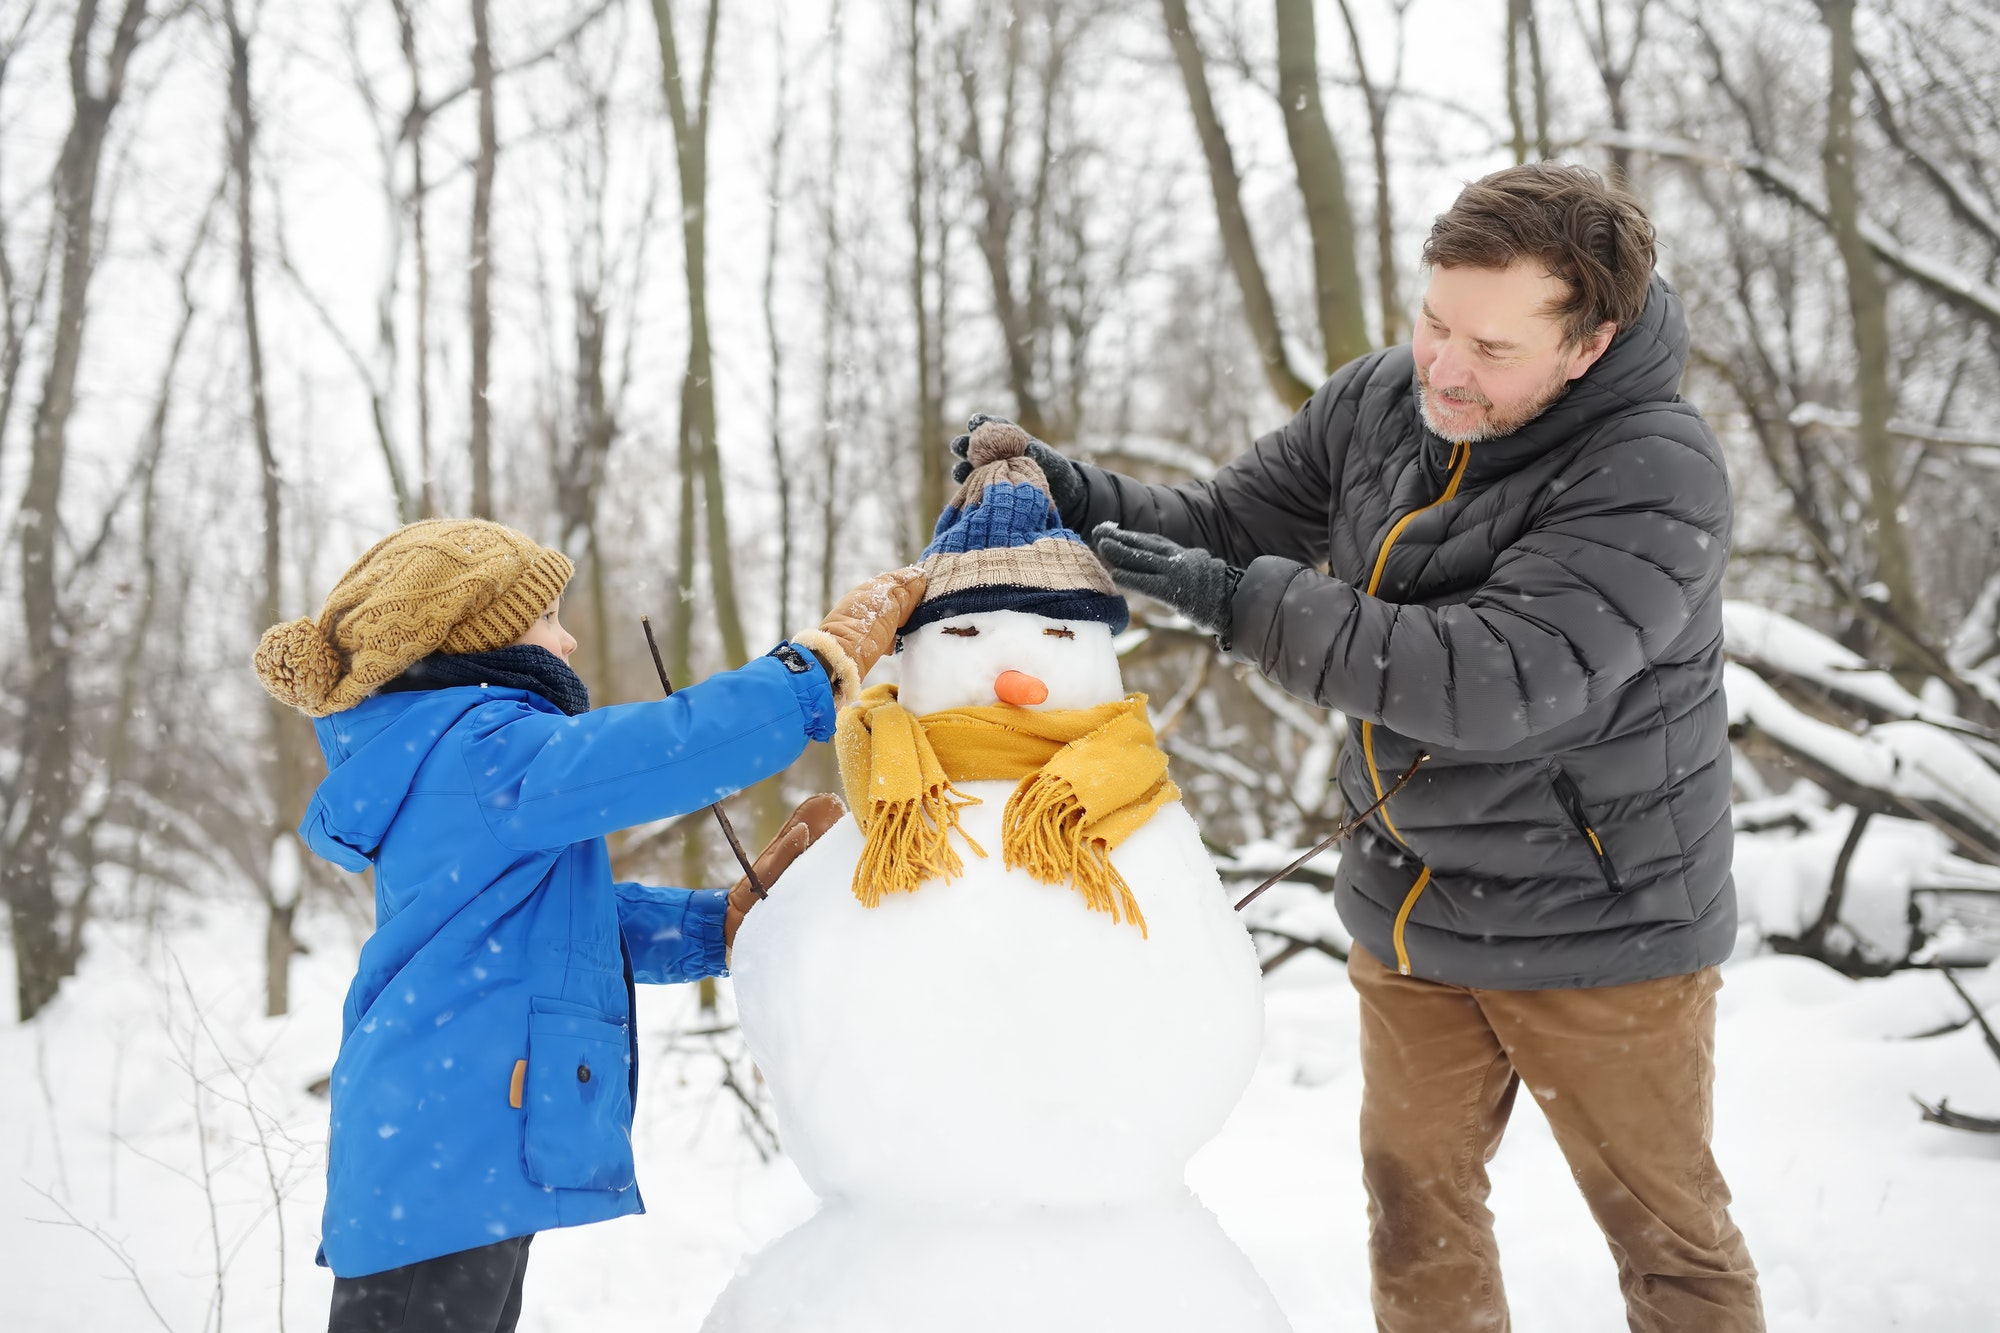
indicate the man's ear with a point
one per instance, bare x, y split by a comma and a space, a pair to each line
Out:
1592, 348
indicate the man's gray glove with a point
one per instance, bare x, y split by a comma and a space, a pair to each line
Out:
1066, 485
1190, 580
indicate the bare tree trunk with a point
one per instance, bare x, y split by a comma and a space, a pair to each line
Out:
780, 465
831, 310
698, 428
580, 453
46, 781
1868, 302
480, 263
415, 122
1517, 116
1380, 98
1237, 242
680, 620
1538, 83
992, 170
19, 311
929, 443
285, 753
1614, 71
379, 372
1322, 181
1040, 323
135, 666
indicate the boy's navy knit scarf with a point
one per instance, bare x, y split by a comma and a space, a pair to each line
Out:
518, 666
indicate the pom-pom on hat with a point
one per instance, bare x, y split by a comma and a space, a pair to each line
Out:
1000, 545
446, 585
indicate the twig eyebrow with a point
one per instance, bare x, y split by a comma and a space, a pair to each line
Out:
1060, 632
963, 631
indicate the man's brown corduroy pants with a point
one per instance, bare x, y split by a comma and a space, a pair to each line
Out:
1625, 1075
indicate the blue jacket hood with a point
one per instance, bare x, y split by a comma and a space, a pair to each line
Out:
373, 752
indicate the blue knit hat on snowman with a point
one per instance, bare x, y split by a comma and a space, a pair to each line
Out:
1000, 545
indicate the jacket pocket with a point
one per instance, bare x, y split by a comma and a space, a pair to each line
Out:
1571, 801
578, 1098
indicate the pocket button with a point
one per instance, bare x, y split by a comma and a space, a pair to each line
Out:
583, 1073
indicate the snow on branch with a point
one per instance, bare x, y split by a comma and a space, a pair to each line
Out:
1816, 414
1955, 287
1152, 449
1906, 766
1774, 641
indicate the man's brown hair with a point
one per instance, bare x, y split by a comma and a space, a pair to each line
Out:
1582, 229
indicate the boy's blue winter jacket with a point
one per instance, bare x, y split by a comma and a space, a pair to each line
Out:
501, 943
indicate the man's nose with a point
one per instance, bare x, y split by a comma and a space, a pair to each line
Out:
1448, 370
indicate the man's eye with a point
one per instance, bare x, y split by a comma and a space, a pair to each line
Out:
1060, 632
963, 631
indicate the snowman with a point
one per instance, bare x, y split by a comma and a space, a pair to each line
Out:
1002, 1003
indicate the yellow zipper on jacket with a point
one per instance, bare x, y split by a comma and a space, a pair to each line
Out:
1403, 919
1461, 454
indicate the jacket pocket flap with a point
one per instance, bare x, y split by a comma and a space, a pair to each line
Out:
578, 1099
539, 1005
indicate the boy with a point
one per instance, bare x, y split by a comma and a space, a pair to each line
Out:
487, 1065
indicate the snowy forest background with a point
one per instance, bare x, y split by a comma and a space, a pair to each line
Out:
697, 290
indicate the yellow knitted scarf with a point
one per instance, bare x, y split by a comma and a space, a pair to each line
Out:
1089, 778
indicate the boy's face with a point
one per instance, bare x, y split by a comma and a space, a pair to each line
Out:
548, 633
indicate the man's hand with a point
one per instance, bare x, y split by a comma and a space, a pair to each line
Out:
1193, 582
815, 815
1066, 486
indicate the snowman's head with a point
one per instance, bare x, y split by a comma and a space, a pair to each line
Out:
1018, 610
1010, 657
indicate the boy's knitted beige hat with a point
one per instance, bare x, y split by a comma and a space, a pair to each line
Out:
446, 585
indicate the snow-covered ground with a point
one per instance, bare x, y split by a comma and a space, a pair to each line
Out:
125, 1189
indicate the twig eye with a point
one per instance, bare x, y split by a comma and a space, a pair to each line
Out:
1060, 632
963, 631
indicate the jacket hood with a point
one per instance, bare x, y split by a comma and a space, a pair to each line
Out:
1644, 364
373, 751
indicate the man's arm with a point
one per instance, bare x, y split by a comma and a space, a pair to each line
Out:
1272, 500
1581, 604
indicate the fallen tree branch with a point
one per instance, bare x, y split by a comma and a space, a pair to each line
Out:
1294, 946
1985, 1028
1942, 1114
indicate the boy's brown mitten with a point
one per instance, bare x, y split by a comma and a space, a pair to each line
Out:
862, 626
814, 816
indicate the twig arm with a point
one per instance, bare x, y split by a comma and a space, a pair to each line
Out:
721, 815
1343, 831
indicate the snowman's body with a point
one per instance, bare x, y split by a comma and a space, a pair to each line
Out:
990, 1066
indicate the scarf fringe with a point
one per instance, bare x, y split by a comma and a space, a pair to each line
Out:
909, 842
1041, 833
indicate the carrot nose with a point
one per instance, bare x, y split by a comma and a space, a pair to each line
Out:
1020, 688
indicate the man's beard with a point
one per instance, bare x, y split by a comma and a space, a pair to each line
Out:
1496, 423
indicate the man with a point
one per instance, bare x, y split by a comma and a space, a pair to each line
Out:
1502, 546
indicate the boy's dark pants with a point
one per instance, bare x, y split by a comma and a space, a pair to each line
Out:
1625, 1075
473, 1291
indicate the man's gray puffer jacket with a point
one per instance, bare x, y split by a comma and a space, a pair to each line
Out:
1545, 621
